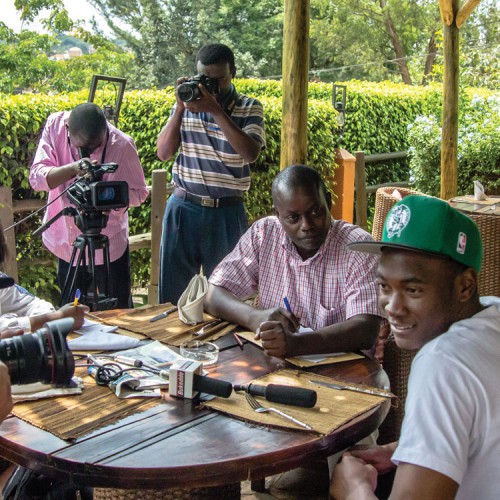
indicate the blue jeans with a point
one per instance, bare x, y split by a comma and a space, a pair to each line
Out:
194, 236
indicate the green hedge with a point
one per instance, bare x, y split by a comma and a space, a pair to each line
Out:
478, 148
377, 118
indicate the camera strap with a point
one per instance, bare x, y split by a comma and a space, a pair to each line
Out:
103, 155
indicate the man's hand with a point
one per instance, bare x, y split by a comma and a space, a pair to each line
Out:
353, 479
5, 395
75, 312
376, 455
10, 332
276, 328
207, 103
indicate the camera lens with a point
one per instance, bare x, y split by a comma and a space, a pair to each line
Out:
106, 194
43, 356
188, 91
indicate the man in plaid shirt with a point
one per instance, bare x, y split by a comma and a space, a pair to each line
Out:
300, 254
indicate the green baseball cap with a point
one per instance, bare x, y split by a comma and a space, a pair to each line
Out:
429, 225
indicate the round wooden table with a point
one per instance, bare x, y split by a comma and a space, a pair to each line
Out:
174, 446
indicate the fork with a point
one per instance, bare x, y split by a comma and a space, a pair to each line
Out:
204, 329
267, 409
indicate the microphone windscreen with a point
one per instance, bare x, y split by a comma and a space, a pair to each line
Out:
6, 282
212, 386
287, 395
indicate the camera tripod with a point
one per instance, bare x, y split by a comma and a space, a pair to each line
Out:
82, 274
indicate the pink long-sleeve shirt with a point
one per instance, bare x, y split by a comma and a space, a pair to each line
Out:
54, 150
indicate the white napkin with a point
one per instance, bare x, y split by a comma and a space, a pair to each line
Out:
479, 193
191, 301
102, 341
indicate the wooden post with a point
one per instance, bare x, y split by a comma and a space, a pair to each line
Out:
342, 185
360, 187
449, 133
295, 80
158, 204
7, 218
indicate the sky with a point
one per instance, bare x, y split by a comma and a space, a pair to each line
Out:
78, 9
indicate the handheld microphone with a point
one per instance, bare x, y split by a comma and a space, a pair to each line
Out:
284, 394
186, 380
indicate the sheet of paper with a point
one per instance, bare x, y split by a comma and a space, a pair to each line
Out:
90, 326
318, 358
102, 341
37, 390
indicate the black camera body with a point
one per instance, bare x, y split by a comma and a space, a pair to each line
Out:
42, 356
90, 193
189, 90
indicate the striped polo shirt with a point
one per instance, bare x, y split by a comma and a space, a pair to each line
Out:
207, 165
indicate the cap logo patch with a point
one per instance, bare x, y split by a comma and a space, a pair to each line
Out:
461, 243
397, 221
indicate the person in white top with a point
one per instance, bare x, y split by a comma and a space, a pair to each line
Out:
20, 311
430, 255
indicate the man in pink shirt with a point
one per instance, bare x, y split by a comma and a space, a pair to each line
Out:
301, 254
69, 137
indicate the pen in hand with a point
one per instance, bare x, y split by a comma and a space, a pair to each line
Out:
287, 305
77, 297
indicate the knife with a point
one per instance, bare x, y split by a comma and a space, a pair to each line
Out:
354, 388
164, 314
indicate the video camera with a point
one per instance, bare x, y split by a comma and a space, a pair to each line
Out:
90, 193
189, 90
43, 356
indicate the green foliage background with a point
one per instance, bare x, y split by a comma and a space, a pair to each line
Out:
377, 120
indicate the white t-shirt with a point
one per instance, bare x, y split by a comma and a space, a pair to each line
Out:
452, 413
17, 305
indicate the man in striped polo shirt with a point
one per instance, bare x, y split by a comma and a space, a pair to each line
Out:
217, 137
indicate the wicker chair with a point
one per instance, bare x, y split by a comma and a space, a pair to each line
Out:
227, 492
396, 362
385, 199
489, 277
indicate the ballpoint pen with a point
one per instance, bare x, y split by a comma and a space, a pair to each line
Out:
77, 297
238, 340
287, 304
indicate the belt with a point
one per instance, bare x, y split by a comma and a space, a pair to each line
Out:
205, 201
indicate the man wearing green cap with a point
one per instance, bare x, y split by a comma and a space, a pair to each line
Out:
449, 447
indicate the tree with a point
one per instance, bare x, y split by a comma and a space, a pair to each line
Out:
373, 39
25, 62
166, 34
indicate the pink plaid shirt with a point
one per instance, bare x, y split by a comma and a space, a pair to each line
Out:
330, 287
55, 151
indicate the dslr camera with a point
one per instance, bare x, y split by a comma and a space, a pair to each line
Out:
42, 356
189, 90
90, 193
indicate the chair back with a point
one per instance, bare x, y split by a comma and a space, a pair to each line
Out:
395, 361
489, 277
385, 199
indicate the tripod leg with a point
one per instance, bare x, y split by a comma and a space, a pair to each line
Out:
69, 290
95, 299
107, 268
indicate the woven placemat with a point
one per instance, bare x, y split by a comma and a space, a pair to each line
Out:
71, 417
304, 363
170, 330
333, 409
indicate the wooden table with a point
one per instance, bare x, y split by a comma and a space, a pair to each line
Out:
174, 446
